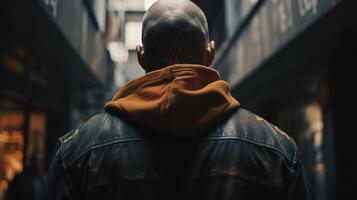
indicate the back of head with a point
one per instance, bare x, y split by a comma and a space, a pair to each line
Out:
174, 32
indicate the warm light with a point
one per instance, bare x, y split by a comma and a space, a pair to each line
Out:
12, 143
4, 185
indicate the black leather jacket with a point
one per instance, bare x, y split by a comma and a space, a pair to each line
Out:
244, 158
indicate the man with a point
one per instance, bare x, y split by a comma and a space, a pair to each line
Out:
176, 132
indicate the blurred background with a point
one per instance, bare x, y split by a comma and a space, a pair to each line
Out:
290, 61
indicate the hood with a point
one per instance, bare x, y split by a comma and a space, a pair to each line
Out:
180, 100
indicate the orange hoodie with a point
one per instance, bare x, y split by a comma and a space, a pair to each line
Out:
181, 100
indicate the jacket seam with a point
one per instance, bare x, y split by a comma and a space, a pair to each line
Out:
254, 143
97, 146
295, 153
119, 139
274, 184
132, 139
292, 158
67, 178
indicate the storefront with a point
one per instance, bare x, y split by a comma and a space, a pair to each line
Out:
52, 58
12, 140
23, 122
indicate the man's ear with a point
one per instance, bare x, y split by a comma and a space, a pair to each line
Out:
141, 56
209, 53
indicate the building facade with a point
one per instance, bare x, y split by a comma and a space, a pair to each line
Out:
291, 62
55, 71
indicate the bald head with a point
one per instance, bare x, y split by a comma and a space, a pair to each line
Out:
179, 14
174, 32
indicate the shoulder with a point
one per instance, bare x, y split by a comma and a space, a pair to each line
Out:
251, 128
101, 130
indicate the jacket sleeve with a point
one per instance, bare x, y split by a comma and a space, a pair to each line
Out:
56, 187
298, 186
